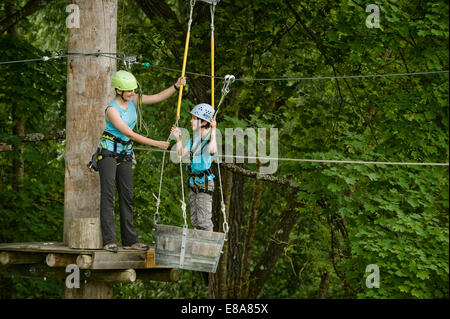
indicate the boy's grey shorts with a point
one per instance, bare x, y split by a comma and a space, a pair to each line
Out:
201, 208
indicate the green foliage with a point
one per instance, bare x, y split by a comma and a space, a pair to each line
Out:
353, 215
191, 285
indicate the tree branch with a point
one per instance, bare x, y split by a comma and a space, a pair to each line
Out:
31, 7
35, 137
156, 8
263, 177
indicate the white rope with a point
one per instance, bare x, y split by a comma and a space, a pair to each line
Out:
158, 199
312, 160
222, 204
183, 203
192, 2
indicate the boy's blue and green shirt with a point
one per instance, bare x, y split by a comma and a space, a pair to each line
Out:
201, 161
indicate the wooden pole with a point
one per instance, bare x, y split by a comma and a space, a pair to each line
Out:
88, 93
41, 270
88, 290
15, 258
85, 233
84, 261
166, 275
60, 260
33, 270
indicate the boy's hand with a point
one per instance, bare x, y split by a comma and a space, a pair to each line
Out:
213, 123
181, 81
176, 131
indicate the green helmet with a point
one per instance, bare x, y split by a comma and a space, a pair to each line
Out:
124, 81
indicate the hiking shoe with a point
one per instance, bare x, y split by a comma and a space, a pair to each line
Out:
137, 246
111, 247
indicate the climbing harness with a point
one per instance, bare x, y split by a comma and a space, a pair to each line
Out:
182, 247
120, 157
197, 187
116, 140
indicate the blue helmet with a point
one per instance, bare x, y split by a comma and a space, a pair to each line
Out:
203, 111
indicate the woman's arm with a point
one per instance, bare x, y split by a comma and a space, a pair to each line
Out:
114, 117
163, 95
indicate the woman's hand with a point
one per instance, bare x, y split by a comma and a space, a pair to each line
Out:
162, 145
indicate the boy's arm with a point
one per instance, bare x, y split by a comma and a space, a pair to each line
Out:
212, 143
181, 151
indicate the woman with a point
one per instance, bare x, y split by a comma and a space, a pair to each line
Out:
115, 159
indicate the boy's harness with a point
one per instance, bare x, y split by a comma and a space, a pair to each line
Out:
196, 187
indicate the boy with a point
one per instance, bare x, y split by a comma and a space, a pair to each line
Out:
201, 150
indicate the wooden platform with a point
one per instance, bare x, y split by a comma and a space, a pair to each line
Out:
48, 257
100, 259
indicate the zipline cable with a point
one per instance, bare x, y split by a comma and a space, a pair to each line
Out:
261, 158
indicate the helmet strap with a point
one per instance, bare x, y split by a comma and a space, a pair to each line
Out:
121, 96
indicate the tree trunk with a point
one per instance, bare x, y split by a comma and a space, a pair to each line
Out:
229, 281
249, 238
323, 288
275, 245
217, 282
17, 113
88, 93
235, 237
18, 130
224, 283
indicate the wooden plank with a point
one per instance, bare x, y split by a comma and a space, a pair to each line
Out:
120, 260
47, 247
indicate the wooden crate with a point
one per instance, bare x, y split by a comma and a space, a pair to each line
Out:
184, 248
